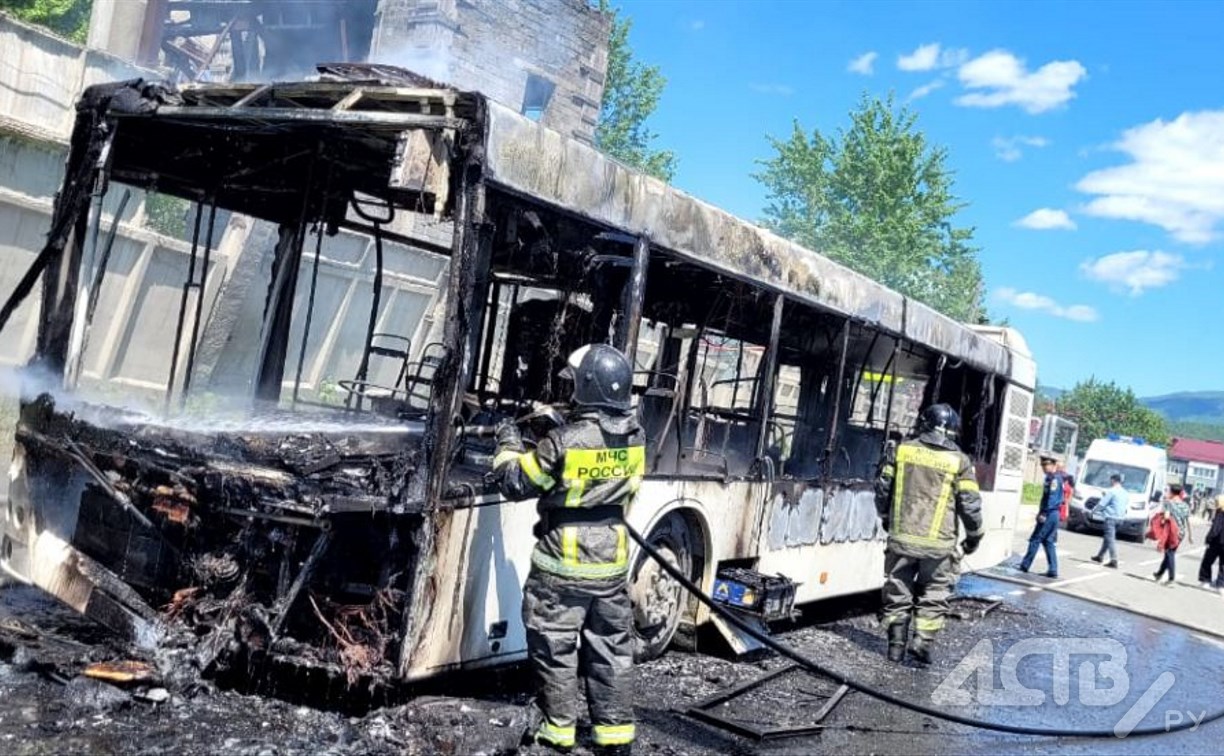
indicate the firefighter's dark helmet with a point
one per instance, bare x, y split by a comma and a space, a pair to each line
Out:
601, 376
939, 417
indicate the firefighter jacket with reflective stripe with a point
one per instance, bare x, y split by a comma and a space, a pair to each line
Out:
924, 487
585, 474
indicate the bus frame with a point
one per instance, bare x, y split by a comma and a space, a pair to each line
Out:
770, 381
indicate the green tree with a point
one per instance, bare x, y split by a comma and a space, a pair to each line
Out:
68, 18
1102, 408
631, 94
167, 214
1043, 405
877, 197
1201, 431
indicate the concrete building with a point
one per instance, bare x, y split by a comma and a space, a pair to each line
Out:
545, 58
1197, 463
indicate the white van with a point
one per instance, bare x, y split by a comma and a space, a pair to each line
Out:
1143, 468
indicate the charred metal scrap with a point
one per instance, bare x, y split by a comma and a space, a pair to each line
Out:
255, 542
263, 540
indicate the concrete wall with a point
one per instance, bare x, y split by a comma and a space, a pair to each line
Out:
120, 27
496, 46
1203, 475
39, 82
130, 342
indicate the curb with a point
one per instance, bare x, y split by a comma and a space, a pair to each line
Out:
1213, 632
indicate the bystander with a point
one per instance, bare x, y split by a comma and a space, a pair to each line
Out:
1110, 509
1169, 528
1213, 555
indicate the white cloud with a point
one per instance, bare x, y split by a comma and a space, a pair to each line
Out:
782, 90
863, 64
1027, 300
926, 89
1135, 271
931, 56
1009, 149
1004, 79
1046, 219
925, 58
1175, 179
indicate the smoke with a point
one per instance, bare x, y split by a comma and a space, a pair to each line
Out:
27, 382
491, 47
430, 62
276, 424
272, 41
107, 407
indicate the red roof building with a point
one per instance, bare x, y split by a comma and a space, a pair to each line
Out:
1197, 463
1193, 450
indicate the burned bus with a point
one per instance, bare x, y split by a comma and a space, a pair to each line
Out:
357, 533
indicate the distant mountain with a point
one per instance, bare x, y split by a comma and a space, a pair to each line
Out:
1190, 406
1049, 392
1199, 407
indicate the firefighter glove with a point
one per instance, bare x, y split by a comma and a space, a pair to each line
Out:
970, 544
508, 436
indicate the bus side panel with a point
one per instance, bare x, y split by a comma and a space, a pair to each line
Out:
824, 571
474, 616
1000, 511
733, 512
830, 545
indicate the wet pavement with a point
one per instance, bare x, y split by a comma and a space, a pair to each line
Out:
1130, 586
46, 706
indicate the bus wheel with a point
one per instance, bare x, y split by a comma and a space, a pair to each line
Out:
658, 600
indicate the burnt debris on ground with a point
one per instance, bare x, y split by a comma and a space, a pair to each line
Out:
49, 705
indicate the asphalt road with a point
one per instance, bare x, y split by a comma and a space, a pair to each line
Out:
1128, 587
1168, 645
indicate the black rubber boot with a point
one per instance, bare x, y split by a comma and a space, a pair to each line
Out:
897, 633
920, 648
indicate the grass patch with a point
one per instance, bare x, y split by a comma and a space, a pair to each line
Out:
9, 409
1031, 494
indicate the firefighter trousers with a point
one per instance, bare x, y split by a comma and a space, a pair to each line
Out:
919, 585
581, 626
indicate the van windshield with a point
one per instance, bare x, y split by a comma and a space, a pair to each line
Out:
1097, 473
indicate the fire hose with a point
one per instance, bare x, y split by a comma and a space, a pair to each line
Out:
882, 695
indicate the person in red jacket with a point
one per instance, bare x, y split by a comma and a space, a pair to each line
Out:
1164, 531
1064, 509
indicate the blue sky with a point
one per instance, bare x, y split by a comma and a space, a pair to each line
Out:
1088, 138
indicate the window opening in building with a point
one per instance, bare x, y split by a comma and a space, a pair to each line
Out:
536, 96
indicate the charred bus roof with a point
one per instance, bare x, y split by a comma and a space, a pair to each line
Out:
256, 148
259, 149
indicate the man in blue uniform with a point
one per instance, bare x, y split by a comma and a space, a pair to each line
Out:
1045, 532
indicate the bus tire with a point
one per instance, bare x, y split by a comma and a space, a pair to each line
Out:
659, 603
